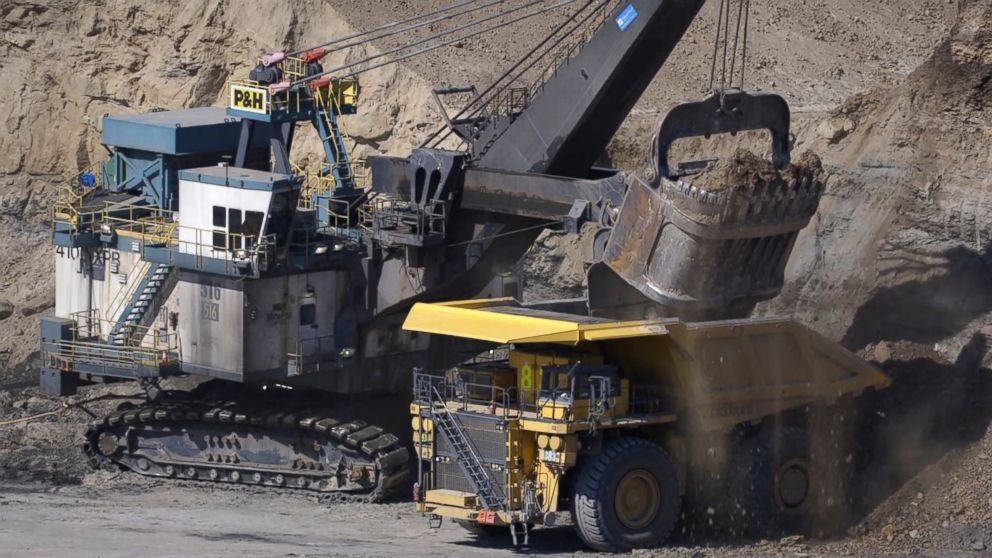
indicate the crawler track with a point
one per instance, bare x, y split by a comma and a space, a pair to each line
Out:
254, 443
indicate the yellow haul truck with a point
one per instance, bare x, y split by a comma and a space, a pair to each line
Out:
602, 423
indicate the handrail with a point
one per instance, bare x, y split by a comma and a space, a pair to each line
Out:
102, 354
86, 324
470, 461
149, 339
127, 292
282, 97
158, 227
513, 402
70, 197
384, 213
315, 184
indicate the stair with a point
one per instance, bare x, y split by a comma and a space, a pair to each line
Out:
468, 458
335, 150
137, 308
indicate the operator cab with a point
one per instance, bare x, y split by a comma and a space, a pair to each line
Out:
234, 213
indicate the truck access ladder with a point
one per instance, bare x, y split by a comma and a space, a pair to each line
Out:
468, 458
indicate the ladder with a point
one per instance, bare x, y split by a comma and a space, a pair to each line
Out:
325, 120
469, 462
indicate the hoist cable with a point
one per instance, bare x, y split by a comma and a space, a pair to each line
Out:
737, 34
723, 49
716, 45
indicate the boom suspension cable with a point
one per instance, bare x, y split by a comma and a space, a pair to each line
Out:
436, 46
389, 25
505, 81
359, 39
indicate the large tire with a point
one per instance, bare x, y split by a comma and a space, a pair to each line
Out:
771, 482
626, 497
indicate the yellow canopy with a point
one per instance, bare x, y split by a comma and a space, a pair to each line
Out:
502, 320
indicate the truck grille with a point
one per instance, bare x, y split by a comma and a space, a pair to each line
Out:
450, 476
490, 443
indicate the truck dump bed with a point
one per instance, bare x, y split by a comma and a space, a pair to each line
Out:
720, 373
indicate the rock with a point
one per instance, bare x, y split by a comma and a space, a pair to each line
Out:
835, 129
36, 404
882, 352
791, 541
914, 534
889, 533
35, 307
978, 546
6, 309
373, 127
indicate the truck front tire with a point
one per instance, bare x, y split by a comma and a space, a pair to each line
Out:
627, 496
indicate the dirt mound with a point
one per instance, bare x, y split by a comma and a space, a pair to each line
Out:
897, 265
748, 172
43, 442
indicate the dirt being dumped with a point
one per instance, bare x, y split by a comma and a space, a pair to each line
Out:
745, 171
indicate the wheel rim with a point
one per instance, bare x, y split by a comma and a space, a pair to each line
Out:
792, 484
637, 499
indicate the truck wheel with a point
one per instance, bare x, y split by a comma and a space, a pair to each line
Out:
772, 482
626, 497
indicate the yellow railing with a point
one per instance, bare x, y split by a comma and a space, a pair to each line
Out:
68, 353
338, 93
70, 199
253, 96
314, 184
153, 348
86, 324
294, 68
89, 325
161, 228
141, 222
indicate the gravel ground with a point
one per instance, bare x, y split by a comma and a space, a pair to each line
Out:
116, 517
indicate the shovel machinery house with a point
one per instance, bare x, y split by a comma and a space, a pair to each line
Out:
199, 248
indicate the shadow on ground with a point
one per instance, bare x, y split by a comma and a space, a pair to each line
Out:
933, 406
930, 310
930, 409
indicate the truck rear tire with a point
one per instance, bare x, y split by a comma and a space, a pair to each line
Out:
626, 497
772, 483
